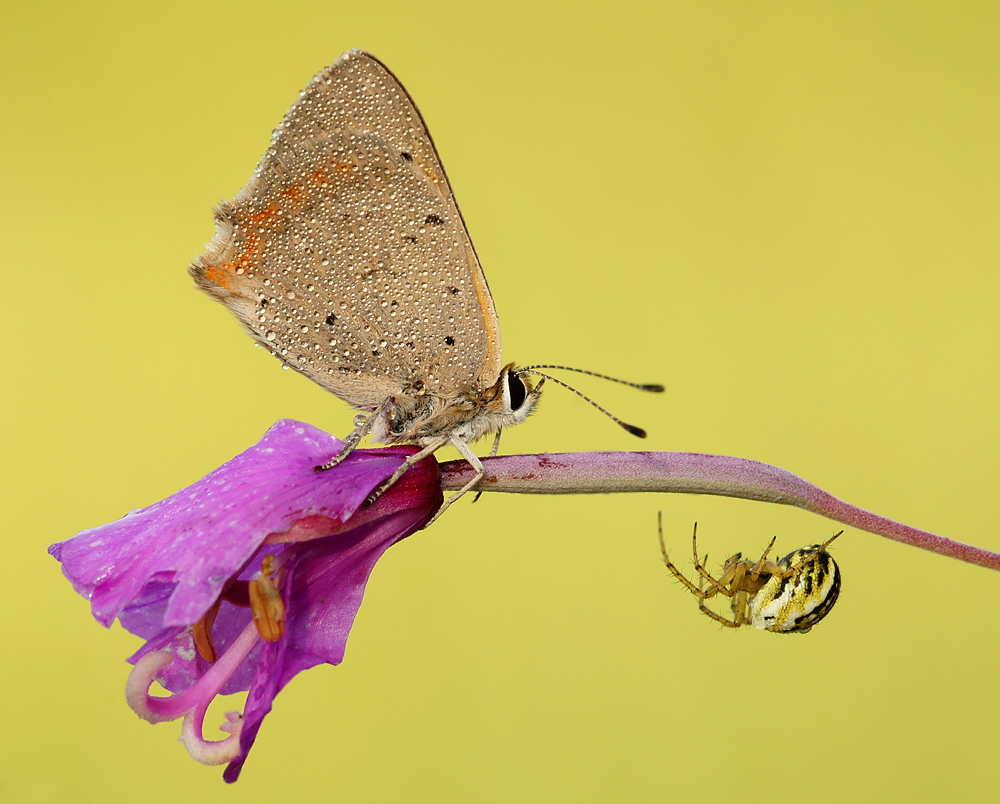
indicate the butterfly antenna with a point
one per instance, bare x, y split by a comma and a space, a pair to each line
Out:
641, 386
636, 431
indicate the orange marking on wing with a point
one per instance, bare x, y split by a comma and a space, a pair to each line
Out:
295, 194
432, 176
264, 217
218, 276
248, 252
248, 258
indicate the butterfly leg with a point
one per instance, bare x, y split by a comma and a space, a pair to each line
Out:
476, 464
414, 458
493, 454
362, 427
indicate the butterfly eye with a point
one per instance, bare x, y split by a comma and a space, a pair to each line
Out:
516, 391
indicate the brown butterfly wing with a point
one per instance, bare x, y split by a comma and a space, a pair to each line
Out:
346, 255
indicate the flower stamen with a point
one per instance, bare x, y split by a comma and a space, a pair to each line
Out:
266, 604
202, 633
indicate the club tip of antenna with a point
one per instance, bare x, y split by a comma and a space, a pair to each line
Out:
636, 431
659, 389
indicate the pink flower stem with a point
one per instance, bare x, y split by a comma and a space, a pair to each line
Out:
692, 473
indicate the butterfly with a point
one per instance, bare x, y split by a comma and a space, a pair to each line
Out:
346, 257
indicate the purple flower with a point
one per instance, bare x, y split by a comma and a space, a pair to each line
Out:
247, 577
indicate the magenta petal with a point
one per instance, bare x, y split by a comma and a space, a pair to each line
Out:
326, 583
328, 587
258, 705
201, 536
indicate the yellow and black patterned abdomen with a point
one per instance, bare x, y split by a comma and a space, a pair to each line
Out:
794, 601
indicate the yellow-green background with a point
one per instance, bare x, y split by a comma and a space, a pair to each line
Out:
787, 212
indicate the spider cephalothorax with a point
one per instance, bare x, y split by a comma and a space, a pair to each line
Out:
788, 596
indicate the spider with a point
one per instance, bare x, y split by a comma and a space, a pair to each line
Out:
787, 597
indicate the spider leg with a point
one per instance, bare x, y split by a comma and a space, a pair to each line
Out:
760, 565
694, 552
695, 590
733, 572
716, 584
740, 609
784, 573
717, 617
705, 609
812, 554
737, 582
704, 573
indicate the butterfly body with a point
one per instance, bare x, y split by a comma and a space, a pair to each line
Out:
420, 417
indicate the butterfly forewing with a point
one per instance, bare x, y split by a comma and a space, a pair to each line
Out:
346, 255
